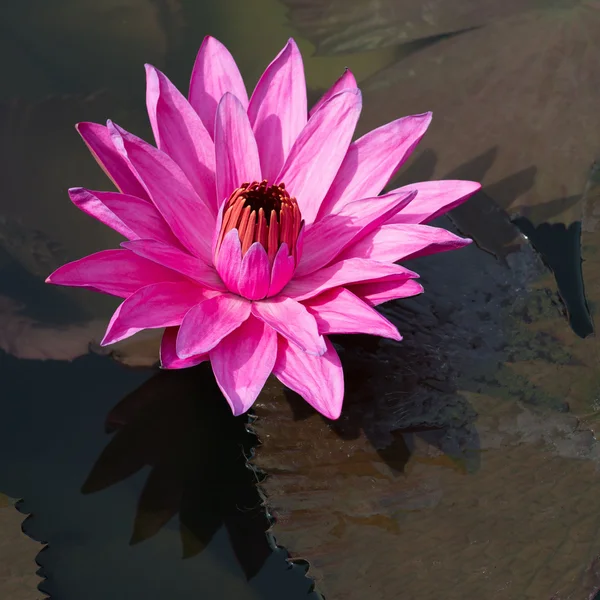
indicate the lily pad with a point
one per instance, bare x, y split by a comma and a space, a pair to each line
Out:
464, 464
514, 104
18, 577
41, 156
343, 26
108, 41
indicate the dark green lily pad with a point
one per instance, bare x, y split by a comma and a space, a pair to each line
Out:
107, 42
41, 156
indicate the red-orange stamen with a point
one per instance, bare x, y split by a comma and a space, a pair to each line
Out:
262, 230
273, 243
264, 214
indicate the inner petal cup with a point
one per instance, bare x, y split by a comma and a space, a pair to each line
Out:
263, 221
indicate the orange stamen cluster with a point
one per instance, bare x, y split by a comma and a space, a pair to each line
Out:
262, 213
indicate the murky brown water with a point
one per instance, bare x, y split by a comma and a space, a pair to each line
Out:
465, 464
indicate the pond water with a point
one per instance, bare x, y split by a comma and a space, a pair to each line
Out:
465, 463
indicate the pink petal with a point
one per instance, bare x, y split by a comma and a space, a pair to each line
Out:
180, 133
340, 311
235, 148
176, 259
187, 215
115, 272
345, 82
351, 270
154, 306
300, 243
328, 237
168, 356
215, 74
319, 151
292, 321
228, 261
132, 217
389, 288
99, 141
207, 323
373, 160
318, 379
282, 271
89, 203
277, 109
255, 273
394, 242
243, 361
434, 198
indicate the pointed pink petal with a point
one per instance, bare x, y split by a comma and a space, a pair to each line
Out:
235, 148
434, 198
340, 311
179, 261
318, 379
277, 109
228, 261
180, 133
389, 288
207, 323
282, 271
394, 242
89, 203
132, 217
215, 74
345, 82
329, 236
300, 243
373, 160
99, 141
255, 273
115, 272
344, 272
154, 306
243, 361
188, 216
168, 356
292, 321
319, 151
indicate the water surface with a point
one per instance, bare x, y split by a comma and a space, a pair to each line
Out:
465, 464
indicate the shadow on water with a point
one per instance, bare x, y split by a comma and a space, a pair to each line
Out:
176, 450
559, 244
425, 408
560, 248
177, 424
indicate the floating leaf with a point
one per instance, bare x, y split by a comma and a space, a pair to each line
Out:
520, 93
464, 459
342, 26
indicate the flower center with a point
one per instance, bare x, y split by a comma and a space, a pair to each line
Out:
262, 213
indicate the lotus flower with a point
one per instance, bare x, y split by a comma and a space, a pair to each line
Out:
255, 228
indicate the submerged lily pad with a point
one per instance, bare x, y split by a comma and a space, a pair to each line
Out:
522, 93
107, 42
41, 156
464, 464
342, 26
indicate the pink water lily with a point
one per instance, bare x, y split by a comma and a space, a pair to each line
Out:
255, 228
